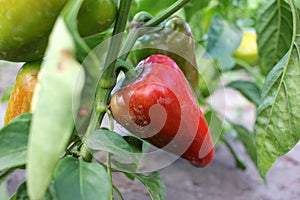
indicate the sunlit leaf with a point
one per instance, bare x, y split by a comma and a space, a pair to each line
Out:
277, 126
223, 39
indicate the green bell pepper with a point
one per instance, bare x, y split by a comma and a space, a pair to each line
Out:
25, 25
174, 39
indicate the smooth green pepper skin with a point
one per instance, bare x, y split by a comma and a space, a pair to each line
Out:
96, 16
25, 25
174, 39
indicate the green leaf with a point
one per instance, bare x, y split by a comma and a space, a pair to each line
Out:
249, 89
6, 95
209, 75
154, 184
3, 187
135, 143
297, 3
248, 140
274, 31
154, 8
5, 98
278, 116
223, 39
77, 179
54, 102
124, 156
13, 197
239, 162
13, 142
109, 141
215, 125
193, 7
22, 193
200, 22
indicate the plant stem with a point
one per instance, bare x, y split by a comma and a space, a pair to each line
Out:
108, 79
111, 120
111, 128
123, 66
110, 174
166, 13
118, 192
84, 151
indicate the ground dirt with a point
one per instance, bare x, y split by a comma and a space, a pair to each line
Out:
219, 181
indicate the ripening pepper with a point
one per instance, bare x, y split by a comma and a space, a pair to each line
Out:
25, 25
173, 39
160, 107
248, 50
20, 99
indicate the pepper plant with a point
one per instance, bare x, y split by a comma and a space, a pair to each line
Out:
85, 55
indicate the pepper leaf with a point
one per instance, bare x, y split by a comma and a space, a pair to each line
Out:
193, 7
274, 30
13, 142
3, 187
13, 197
22, 193
215, 125
248, 140
109, 141
5, 97
54, 102
153, 8
77, 179
222, 35
124, 156
277, 130
135, 143
209, 74
154, 184
238, 161
249, 89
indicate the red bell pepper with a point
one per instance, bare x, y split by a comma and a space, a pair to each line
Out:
160, 107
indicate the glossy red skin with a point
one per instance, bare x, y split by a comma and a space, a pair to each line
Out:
160, 107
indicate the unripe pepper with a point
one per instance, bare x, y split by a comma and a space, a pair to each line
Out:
26, 24
96, 16
160, 107
174, 39
20, 99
